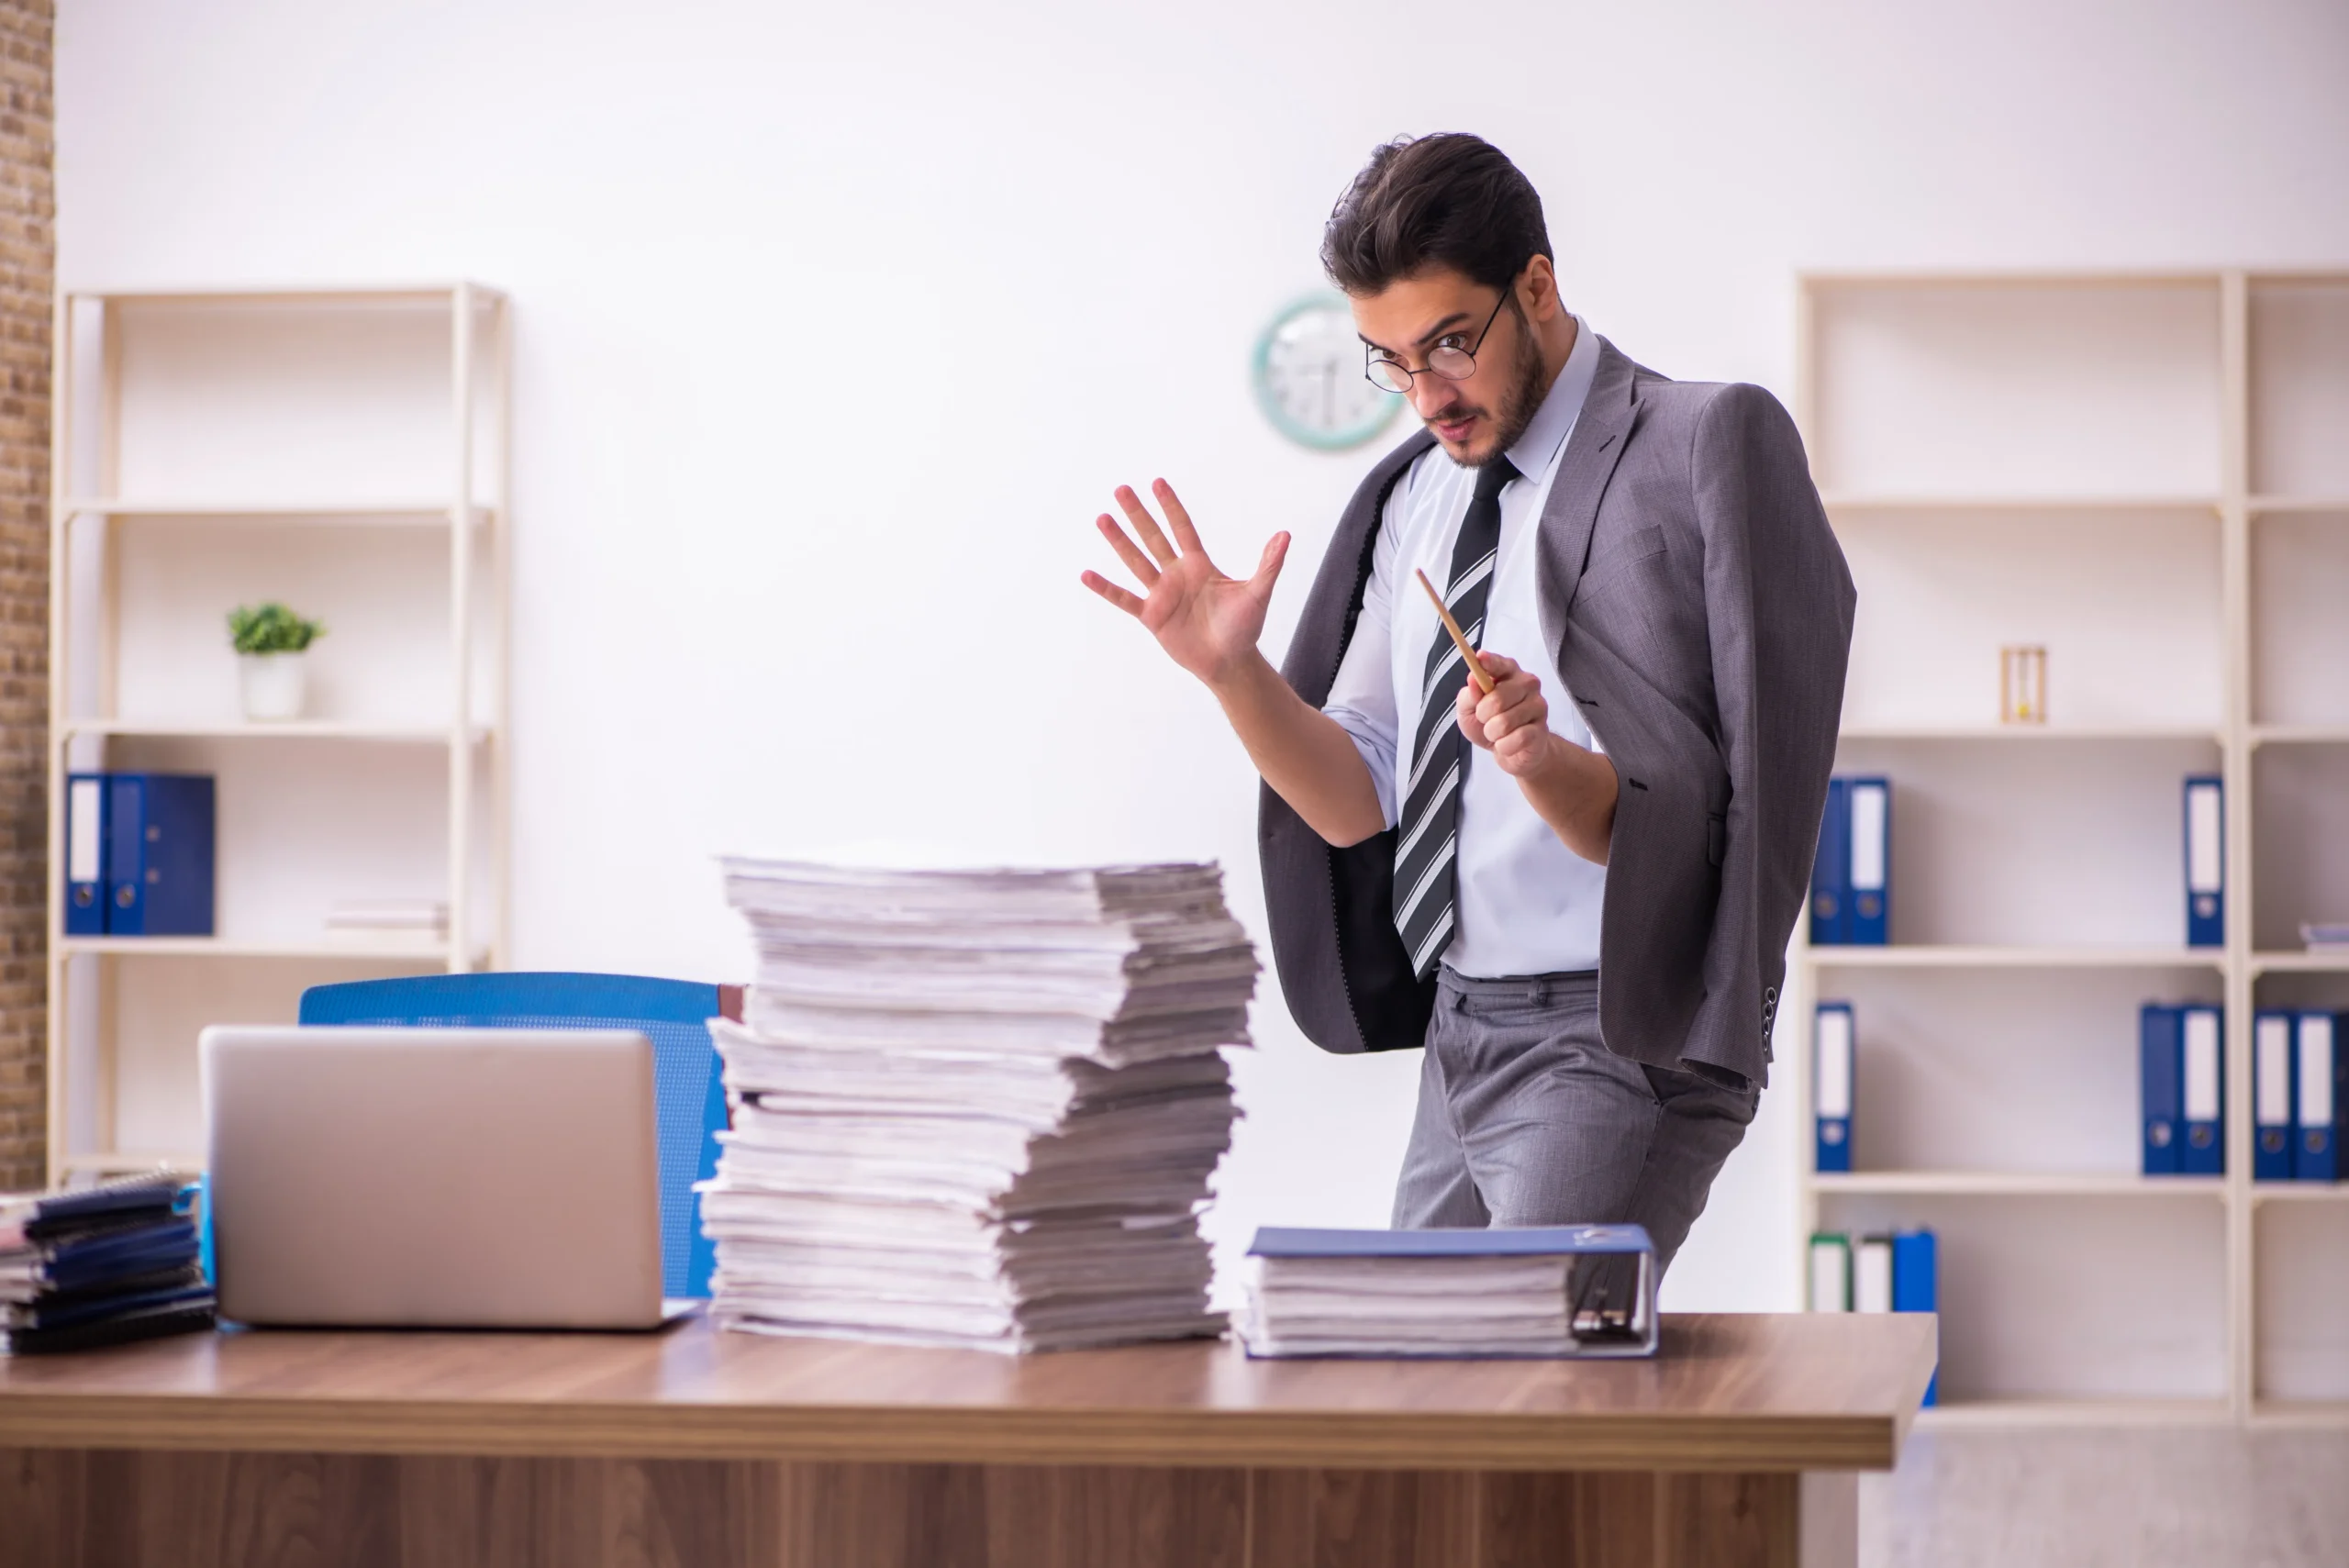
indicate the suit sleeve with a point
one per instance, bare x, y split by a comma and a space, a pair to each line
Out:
1778, 602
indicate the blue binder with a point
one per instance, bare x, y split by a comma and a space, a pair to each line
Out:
85, 854
2159, 1065
1831, 1081
159, 854
2202, 1092
2206, 862
1916, 1284
1870, 903
1829, 874
2273, 1116
2316, 1156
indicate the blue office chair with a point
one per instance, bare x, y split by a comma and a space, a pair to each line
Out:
689, 1095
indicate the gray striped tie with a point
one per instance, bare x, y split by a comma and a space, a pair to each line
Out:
1426, 874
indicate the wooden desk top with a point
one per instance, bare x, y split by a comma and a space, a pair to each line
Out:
1730, 1393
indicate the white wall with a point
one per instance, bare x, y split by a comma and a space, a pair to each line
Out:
837, 324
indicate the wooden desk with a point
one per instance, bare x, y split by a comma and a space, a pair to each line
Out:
708, 1449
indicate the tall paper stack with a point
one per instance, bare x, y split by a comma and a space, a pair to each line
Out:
976, 1108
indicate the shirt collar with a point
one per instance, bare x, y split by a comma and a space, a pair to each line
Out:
1546, 436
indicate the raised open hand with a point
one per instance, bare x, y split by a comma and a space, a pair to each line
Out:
1208, 623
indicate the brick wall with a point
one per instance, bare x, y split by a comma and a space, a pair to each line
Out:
27, 211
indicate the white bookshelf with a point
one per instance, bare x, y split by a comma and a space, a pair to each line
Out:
342, 449
2146, 475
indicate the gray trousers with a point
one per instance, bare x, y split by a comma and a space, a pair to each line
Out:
1525, 1118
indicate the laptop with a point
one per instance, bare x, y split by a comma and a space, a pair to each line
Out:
444, 1178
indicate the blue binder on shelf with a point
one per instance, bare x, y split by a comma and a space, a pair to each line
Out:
2206, 862
2316, 1153
159, 857
2202, 1092
2159, 1063
85, 854
1868, 903
1831, 1080
1916, 1284
1830, 876
2274, 1118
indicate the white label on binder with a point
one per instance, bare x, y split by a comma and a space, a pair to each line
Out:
2201, 1064
1829, 1280
2271, 1061
1834, 1046
2316, 1070
82, 849
1867, 838
1872, 1274
2202, 839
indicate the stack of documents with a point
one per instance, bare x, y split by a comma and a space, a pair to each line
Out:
1580, 1290
99, 1266
976, 1108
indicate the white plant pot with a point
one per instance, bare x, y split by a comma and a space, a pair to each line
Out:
273, 685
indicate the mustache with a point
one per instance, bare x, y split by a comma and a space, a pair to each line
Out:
1450, 413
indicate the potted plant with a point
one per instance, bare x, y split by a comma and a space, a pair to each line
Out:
269, 640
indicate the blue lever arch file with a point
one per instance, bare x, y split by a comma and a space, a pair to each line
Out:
2202, 1097
1869, 907
2273, 1119
2159, 1063
2316, 1155
1831, 1042
159, 854
1916, 1284
2206, 862
1830, 875
85, 855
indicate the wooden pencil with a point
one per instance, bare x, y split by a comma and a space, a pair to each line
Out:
1475, 666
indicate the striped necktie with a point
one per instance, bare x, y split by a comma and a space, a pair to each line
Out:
1426, 875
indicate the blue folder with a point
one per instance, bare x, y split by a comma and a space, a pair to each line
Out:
1868, 903
2160, 1061
159, 854
1830, 873
85, 854
2316, 1156
2273, 1101
1916, 1284
2203, 1091
1834, 1046
2206, 862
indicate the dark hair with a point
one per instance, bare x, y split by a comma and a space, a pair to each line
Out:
1451, 200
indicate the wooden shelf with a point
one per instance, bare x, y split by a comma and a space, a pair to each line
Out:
398, 511
370, 949
2299, 735
2299, 1192
2014, 1184
1922, 956
2267, 1412
438, 290
2151, 734
296, 729
1855, 501
2261, 505
2299, 964
2113, 1412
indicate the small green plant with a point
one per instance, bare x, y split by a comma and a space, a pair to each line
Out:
271, 629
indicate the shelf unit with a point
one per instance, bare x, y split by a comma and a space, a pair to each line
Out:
2144, 474
342, 449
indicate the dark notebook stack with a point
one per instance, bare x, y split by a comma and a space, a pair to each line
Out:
99, 1266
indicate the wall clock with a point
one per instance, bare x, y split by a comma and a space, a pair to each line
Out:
1308, 377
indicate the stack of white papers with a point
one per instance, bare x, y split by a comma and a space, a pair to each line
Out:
976, 1108
1560, 1291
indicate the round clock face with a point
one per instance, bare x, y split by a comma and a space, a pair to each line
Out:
1309, 378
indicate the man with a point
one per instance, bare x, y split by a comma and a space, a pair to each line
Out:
1574, 890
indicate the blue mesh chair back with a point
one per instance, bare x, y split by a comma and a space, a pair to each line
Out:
688, 1092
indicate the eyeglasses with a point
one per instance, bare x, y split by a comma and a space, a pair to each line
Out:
1387, 374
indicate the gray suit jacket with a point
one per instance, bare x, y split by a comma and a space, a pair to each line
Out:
1702, 615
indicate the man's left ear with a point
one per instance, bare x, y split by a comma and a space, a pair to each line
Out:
1538, 286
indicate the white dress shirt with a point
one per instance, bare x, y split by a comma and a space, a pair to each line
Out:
1526, 905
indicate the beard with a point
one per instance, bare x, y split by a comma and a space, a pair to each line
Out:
1520, 402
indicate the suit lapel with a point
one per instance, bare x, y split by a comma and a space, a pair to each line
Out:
1601, 432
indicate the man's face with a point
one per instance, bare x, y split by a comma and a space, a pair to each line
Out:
1477, 418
